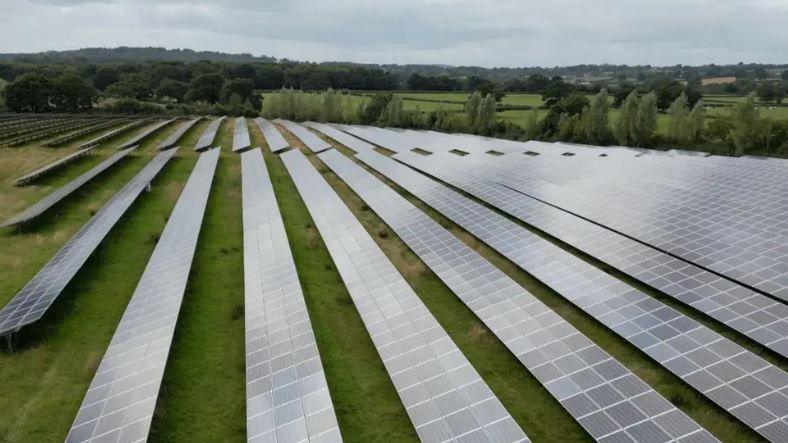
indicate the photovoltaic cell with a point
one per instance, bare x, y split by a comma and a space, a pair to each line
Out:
28, 178
284, 374
209, 135
176, 136
142, 136
30, 304
444, 396
52, 199
120, 401
312, 141
589, 383
718, 368
272, 136
241, 139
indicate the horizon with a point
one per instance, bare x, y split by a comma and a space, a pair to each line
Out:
446, 32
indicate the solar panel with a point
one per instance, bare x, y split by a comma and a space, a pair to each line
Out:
142, 136
444, 396
600, 393
30, 304
121, 399
272, 136
209, 135
113, 133
241, 139
312, 141
344, 138
30, 177
176, 136
52, 199
284, 374
715, 366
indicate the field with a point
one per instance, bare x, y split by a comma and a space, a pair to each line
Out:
203, 393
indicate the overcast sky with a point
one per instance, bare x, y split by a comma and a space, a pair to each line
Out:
457, 32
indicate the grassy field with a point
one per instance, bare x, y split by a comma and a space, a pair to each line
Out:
203, 394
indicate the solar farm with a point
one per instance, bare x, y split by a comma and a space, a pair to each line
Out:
226, 279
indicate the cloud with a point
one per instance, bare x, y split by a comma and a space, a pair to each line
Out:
493, 33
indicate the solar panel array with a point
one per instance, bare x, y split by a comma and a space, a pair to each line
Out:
209, 135
52, 199
121, 399
725, 216
241, 139
739, 381
609, 401
312, 141
177, 135
113, 133
287, 396
142, 136
30, 177
272, 136
345, 139
30, 304
444, 396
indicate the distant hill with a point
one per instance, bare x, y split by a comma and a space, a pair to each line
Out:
129, 54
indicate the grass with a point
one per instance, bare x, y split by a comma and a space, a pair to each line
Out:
57, 358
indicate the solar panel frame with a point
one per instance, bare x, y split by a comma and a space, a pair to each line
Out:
64, 191
272, 135
444, 396
704, 359
35, 298
121, 399
550, 347
142, 136
241, 140
178, 134
308, 138
112, 133
279, 338
30, 177
208, 135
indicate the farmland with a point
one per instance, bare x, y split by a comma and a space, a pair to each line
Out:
202, 396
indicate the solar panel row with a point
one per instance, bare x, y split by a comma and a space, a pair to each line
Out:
272, 136
30, 177
209, 135
312, 141
739, 381
287, 396
178, 134
241, 139
142, 136
121, 399
113, 133
608, 400
444, 396
345, 139
30, 303
52, 199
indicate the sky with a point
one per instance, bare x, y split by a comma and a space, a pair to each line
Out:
455, 32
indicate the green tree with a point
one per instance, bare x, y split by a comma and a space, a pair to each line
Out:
472, 110
392, 115
171, 88
486, 118
376, 105
746, 118
105, 76
206, 87
28, 93
596, 119
131, 84
244, 88
72, 93
771, 92
696, 122
678, 124
646, 122
625, 126
532, 125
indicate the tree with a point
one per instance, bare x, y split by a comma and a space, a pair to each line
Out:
171, 88
532, 125
646, 122
625, 126
392, 115
131, 84
678, 124
244, 88
105, 76
745, 125
596, 119
72, 93
555, 91
784, 75
472, 110
770, 92
28, 93
696, 122
206, 87
376, 105
571, 106
486, 118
